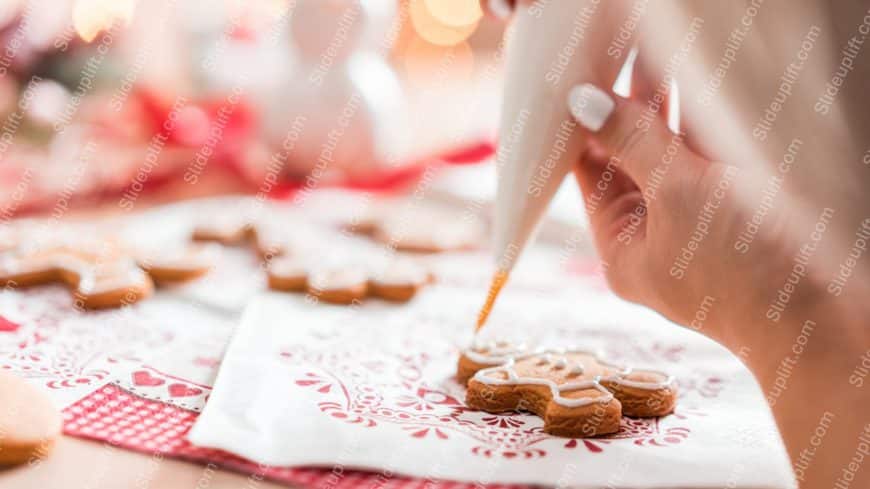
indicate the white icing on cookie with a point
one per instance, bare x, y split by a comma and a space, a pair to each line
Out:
493, 376
620, 378
180, 257
8, 241
623, 372
337, 279
288, 266
21, 261
222, 223
93, 283
401, 273
493, 352
490, 376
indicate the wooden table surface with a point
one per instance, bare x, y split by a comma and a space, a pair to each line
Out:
81, 464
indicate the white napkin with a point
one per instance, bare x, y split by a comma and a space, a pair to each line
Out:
373, 388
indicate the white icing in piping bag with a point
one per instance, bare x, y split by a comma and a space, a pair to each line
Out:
538, 140
538, 137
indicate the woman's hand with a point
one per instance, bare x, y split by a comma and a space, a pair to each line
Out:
667, 222
694, 240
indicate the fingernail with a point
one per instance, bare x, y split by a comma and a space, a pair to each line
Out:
500, 8
590, 105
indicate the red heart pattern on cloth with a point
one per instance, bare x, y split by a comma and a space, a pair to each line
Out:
181, 390
143, 378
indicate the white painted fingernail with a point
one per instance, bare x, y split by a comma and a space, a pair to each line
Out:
590, 105
500, 8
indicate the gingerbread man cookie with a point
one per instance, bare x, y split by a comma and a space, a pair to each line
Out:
574, 391
486, 355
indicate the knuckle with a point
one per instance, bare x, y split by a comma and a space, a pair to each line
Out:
626, 143
622, 281
619, 287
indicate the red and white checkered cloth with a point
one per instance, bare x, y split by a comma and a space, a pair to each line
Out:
123, 419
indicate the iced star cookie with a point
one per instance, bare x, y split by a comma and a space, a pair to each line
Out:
29, 422
100, 272
7, 238
576, 393
287, 274
398, 282
424, 228
293, 263
98, 278
426, 236
175, 264
224, 231
345, 285
268, 241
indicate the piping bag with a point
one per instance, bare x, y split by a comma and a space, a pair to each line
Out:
539, 141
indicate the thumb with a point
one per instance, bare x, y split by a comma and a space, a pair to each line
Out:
630, 132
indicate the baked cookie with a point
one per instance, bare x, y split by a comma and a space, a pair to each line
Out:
268, 241
346, 280
398, 282
98, 278
424, 228
339, 285
576, 393
288, 274
486, 355
174, 264
643, 393
426, 237
101, 273
225, 231
7, 238
29, 422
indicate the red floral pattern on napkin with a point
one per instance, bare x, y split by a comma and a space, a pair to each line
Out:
424, 410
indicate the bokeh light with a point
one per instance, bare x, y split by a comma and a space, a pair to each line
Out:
92, 16
433, 29
427, 64
455, 12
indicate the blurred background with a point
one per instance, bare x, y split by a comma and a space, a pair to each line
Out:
125, 102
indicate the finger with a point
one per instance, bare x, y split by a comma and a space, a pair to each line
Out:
694, 139
630, 132
611, 199
500, 9
603, 185
649, 87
